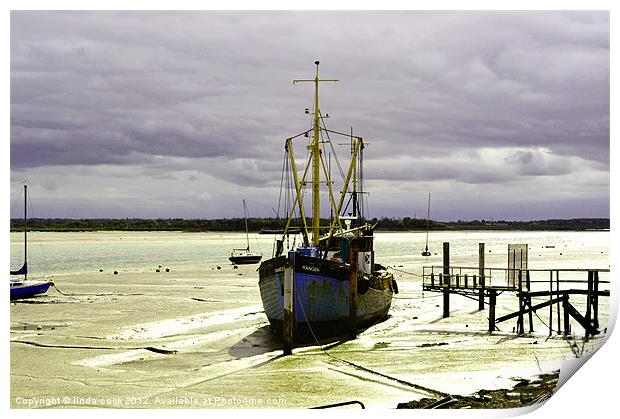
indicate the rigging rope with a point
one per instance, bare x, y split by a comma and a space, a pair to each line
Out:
329, 141
281, 182
15, 202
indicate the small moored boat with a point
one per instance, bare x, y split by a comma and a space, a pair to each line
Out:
245, 256
26, 288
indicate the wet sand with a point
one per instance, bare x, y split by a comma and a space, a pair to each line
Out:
199, 338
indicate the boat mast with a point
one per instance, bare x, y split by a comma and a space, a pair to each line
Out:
428, 217
316, 159
26, 229
354, 177
245, 215
316, 175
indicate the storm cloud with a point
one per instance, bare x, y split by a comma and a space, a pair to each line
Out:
181, 114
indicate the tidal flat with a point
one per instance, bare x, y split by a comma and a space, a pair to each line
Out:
196, 336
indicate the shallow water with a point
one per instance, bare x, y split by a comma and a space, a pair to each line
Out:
60, 253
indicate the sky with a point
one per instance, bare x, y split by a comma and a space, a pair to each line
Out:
138, 114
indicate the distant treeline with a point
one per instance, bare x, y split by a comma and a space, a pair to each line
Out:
258, 224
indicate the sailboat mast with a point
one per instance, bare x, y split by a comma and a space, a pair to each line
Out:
26, 228
245, 215
428, 217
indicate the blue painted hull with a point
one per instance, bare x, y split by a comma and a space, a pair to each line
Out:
28, 288
321, 297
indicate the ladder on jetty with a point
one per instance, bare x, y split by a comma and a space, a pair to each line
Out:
556, 286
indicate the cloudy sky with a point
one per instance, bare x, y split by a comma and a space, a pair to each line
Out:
501, 115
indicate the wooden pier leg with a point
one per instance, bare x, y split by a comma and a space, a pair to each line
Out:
446, 276
530, 318
466, 280
595, 282
589, 297
353, 292
481, 275
492, 299
289, 319
566, 316
520, 327
550, 304
446, 303
557, 288
529, 300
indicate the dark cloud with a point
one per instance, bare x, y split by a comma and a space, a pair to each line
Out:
492, 100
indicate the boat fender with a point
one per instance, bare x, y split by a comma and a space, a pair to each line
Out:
394, 286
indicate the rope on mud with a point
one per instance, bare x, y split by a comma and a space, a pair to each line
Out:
398, 380
53, 284
408, 273
120, 348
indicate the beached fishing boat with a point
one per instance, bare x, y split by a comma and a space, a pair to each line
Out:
245, 256
26, 288
337, 285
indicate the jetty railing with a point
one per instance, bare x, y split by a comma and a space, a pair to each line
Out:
504, 279
468, 277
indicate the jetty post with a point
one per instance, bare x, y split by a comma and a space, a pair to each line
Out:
557, 304
446, 278
566, 309
592, 299
353, 276
521, 297
289, 319
529, 300
492, 301
595, 294
481, 276
550, 303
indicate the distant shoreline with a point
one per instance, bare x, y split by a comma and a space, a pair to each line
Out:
255, 225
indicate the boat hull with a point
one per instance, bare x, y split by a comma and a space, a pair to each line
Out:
245, 260
28, 288
321, 302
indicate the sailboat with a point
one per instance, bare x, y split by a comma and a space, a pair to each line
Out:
26, 288
426, 252
245, 256
338, 287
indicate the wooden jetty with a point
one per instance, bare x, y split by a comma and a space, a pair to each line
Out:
556, 285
